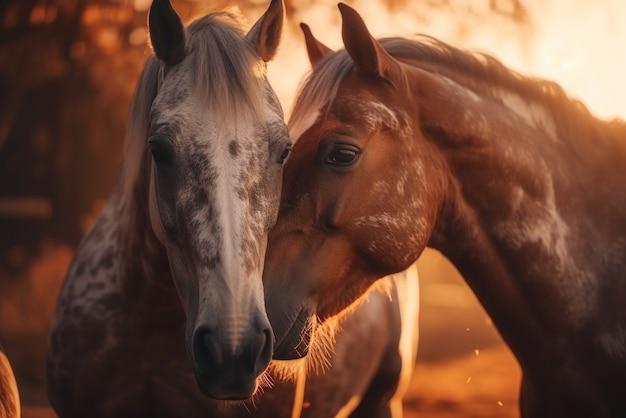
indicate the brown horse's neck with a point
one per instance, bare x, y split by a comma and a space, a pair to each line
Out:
515, 223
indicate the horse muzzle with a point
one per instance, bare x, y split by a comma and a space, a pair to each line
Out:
230, 374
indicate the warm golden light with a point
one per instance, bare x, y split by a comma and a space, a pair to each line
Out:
86, 78
578, 43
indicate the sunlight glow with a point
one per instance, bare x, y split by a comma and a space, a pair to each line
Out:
577, 43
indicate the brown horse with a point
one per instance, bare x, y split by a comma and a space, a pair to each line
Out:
162, 312
403, 144
9, 396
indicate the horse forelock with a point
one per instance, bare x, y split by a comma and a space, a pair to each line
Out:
225, 72
319, 88
225, 67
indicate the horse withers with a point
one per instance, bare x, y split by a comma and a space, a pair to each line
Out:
400, 144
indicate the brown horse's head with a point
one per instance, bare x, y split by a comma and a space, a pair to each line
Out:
356, 204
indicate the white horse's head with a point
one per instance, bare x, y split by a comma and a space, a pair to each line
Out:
217, 143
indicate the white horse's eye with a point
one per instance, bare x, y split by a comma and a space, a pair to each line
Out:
162, 152
285, 154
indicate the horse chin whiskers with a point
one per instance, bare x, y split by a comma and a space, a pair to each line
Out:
321, 348
227, 406
288, 370
323, 336
322, 344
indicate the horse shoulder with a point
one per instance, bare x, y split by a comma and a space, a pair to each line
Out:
88, 310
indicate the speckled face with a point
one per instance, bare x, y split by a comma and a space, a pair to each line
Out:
358, 177
174, 261
216, 182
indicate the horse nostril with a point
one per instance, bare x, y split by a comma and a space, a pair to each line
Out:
264, 354
213, 357
206, 350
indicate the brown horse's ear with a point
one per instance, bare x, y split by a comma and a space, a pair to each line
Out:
167, 33
314, 48
265, 34
369, 57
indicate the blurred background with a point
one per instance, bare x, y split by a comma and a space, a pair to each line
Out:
68, 69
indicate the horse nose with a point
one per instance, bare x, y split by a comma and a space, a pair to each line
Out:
226, 372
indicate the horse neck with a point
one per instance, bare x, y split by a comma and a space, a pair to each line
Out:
514, 221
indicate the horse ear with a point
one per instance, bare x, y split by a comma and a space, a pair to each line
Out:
167, 33
314, 48
367, 53
266, 32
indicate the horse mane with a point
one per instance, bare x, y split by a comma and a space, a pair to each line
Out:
226, 67
479, 72
226, 71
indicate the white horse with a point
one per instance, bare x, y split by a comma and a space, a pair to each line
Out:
162, 312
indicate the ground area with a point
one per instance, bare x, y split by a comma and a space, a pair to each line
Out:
468, 386
463, 371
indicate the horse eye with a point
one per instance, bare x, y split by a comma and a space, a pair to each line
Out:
343, 155
284, 155
162, 152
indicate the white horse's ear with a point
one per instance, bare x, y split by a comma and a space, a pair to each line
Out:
265, 34
369, 57
167, 33
314, 48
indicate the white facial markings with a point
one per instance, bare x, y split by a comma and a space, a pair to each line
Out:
227, 200
403, 182
242, 291
380, 114
394, 220
392, 236
405, 222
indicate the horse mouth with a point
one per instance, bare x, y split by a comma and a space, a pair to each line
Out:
295, 343
229, 390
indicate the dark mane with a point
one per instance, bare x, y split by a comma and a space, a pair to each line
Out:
481, 73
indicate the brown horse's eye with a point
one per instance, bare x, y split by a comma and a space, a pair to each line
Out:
343, 155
